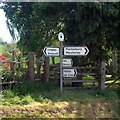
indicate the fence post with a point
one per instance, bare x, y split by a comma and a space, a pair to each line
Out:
102, 76
13, 64
114, 62
46, 69
31, 66
38, 64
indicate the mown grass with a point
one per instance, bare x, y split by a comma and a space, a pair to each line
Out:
44, 100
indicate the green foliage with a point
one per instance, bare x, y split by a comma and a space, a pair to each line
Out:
8, 93
28, 93
93, 24
11, 98
6, 73
27, 87
107, 94
7, 55
2, 48
27, 100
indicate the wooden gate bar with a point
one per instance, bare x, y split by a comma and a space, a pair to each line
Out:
79, 81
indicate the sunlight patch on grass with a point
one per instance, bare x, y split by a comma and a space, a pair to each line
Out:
60, 110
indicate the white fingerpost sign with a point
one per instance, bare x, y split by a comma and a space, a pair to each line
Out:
68, 73
76, 51
61, 36
61, 39
51, 51
67, 62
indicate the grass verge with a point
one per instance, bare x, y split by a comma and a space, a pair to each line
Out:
39, 100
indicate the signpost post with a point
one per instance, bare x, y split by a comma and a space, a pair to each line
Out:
61, 39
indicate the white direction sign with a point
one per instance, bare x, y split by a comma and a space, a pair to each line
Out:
76, 51
69, 73
51, 51
67, 62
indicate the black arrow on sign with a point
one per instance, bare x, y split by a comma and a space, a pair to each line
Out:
75, 72
45, 51
86, 50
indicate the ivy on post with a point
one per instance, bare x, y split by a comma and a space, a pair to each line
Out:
46, 69
31, 66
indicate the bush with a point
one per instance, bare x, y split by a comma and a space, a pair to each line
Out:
7, 55
12, 98
8, 93
29, 92
6, 73
107, 94
35, 86
27, 100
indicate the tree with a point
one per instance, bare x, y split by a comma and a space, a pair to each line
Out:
93, 24
1, 41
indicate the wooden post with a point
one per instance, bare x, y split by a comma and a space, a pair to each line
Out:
38, 64
19, 64
118, 60
13, 64
61, 67
46, 69
102, 76
99, 73
31, 66
53, 60
114, 61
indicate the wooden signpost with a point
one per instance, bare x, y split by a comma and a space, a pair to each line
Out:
65, 63
61, 39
